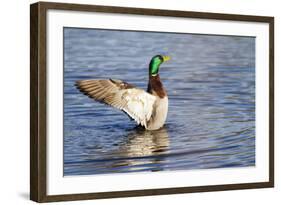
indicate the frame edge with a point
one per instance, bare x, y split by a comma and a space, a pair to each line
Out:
156, 192
271, 102
154, 12
34, 186
37, 102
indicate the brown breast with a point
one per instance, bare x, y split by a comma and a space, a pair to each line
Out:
156, 87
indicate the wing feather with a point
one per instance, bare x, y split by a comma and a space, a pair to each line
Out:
135, 102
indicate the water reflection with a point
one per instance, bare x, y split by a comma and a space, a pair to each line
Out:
142, 142
140, 150
145, 145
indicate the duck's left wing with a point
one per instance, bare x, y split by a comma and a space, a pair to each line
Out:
135, 102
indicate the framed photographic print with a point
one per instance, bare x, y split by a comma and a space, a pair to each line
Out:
134, 102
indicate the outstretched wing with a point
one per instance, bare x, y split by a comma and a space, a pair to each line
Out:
137, 103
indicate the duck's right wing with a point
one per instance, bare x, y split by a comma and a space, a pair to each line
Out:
137, 103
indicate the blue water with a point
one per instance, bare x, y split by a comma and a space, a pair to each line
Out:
210, 82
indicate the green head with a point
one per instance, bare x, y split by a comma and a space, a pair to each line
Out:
155, 63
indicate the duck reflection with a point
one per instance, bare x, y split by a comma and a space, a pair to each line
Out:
142, 142
139, 150
142, 150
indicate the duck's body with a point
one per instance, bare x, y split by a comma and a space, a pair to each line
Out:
149, 109
160, 109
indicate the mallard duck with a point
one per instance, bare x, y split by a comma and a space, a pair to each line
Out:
148, 108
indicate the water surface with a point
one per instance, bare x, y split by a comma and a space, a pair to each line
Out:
210, 81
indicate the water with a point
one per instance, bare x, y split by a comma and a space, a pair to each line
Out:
210, 81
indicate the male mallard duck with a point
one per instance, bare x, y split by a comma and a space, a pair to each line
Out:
149, 109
